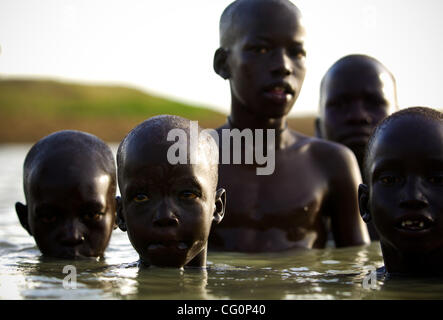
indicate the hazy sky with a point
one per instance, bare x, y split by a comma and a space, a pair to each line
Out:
166, 47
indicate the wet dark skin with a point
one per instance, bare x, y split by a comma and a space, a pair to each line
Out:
403, 197
71, 206
265, 65
356, 93
167, 210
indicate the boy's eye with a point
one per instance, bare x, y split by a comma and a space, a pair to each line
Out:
93, 216
388, 180
298, 54
48, 218
141, 197
260, 49
188, 195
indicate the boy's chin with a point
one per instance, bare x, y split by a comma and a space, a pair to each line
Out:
70, 256
164, 261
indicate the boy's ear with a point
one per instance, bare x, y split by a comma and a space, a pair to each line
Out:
317, 128
220, 205
363, 202
221, 63
22, 213
120, 218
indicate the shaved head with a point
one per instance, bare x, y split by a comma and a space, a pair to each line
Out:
241, 10
420, 113
356, 64
76, 145
153, 134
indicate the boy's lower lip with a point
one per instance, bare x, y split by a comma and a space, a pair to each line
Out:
168, 246
357, 138
278, 97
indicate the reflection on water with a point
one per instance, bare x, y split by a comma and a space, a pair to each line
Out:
303, 274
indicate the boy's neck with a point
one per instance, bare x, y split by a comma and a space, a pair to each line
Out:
200, 259
241, 119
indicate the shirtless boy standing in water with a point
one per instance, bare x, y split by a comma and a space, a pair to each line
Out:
356, 93
262, 54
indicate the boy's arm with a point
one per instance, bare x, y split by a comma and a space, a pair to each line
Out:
341, 202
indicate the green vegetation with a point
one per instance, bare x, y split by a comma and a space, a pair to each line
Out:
31, 109
51, 98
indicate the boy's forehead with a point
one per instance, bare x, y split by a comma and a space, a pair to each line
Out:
411, 135
253, 16
60, 177
363, 72
147, 151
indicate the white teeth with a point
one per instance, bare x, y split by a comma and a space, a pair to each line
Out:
415, 224
279, 89
406, 223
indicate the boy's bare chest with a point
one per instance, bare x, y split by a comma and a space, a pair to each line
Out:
289, 195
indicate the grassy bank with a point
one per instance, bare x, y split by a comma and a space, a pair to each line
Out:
31, 109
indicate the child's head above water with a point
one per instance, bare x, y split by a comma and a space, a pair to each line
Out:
403, 190
69, 181
356, 93
262, 54
168, 209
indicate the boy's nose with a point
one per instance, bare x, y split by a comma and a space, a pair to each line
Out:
165, 216
413, 197
72, 234
357, 113
281, 64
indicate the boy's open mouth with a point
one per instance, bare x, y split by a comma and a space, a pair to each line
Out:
279, 92
414, 223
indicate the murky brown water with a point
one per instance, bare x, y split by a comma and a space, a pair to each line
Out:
307, 274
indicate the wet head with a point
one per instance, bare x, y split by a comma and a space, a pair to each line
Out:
70, 185
404, 173
167, 209
262, 54
356, 93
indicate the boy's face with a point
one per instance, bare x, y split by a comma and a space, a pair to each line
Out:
267, 60
168, 209
71, 210
406, 185
353, 102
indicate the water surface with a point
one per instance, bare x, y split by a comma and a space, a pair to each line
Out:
302, 274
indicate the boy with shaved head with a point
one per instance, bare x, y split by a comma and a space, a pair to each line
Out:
356, 93
69, 181
262, 54
403, 189
168, 205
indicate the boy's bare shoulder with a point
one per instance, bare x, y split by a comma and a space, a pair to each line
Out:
330, 154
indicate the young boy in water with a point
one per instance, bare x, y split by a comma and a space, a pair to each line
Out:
69, 181
166, 207
262, 54
403, 192
356, 93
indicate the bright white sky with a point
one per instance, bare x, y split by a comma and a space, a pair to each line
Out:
166, 47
